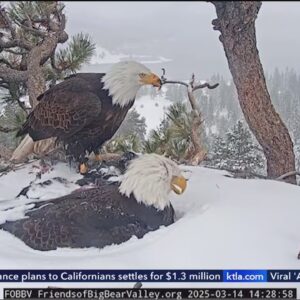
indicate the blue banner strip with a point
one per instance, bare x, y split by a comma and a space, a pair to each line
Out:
149, 275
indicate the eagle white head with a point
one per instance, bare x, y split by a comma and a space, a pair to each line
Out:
125, 78
150, 178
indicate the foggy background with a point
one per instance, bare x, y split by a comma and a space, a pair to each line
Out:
182, 32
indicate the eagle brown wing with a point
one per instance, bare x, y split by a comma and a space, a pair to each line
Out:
63, 110
90, 218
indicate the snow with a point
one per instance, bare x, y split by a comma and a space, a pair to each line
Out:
26, 101
222, 223
152, 109
212, 129
104, 56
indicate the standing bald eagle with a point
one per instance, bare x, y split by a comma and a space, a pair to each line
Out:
86, 109
108, 214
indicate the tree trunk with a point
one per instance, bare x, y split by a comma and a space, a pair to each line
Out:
36, 84
236, 22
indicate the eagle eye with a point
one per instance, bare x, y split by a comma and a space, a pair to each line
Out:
142, 75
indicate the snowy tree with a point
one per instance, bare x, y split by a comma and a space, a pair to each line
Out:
237, 151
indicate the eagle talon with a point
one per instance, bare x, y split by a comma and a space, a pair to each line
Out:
83, 168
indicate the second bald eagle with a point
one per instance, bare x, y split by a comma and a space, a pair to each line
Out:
86, 109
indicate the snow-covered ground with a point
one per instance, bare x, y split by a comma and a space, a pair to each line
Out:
222, 223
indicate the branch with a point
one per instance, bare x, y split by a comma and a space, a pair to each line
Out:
22, 43
7, 130
8, 22
9, 75
175, 82
201, 86
15, 52
34, 31
4, 84
6, 62
288, 174
191, 83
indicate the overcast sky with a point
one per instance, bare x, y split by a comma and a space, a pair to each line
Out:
182, 31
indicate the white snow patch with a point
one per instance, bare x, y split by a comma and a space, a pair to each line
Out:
153, 109
26, 101
224, 113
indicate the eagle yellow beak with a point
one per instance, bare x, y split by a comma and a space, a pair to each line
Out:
178, 184
151, 79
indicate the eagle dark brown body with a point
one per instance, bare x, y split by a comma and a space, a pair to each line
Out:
91, 218
79, 112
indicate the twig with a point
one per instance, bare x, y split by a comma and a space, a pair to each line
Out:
175, 82
192, 81
203, 85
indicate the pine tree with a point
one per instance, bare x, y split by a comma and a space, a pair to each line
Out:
237, 151
30, 32
30, 61
173, 136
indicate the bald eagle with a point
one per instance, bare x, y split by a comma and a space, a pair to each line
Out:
86, 109
108, 214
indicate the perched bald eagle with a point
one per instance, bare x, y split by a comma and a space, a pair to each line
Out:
86, 109
108, 214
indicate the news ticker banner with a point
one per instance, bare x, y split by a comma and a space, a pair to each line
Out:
212, 293
258, 276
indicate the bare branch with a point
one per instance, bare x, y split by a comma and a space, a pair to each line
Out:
175, 82
288, 174
191, 83
204, 85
